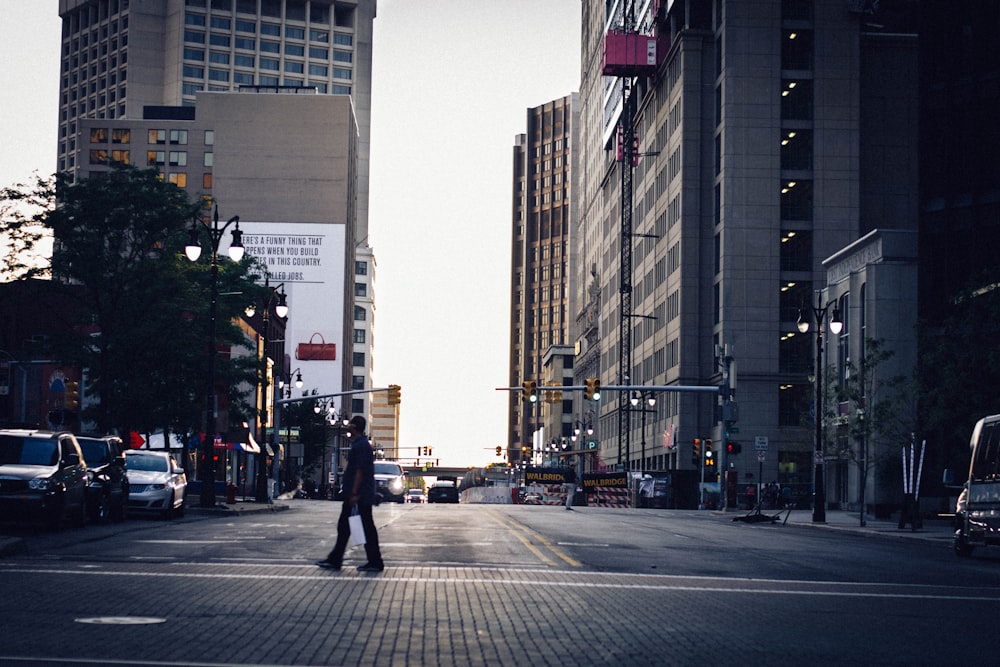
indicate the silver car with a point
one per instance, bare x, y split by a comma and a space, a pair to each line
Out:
156, 483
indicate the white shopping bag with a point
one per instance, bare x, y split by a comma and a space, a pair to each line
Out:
357, 528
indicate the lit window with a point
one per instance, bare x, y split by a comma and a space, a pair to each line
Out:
156, 158
98, 135
180, 180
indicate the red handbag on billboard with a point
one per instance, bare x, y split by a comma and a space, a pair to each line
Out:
321, 351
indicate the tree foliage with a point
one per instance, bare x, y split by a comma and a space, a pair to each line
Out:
960, 362
142, 338
872, 410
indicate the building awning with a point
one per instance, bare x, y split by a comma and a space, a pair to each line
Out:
248, 445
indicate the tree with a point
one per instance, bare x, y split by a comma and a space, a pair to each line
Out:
873, 411
959, 363
118, 251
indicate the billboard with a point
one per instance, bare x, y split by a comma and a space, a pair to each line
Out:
308, 258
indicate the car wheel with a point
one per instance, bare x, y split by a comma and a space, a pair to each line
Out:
120, 511
80, 515
168, 510
101, 509
962, 548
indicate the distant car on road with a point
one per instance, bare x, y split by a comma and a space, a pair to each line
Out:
107, 495
442, 492
415, 496
156, 483
43, 477
390, 481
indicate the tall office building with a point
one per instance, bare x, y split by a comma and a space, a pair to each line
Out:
541, 314
770, 136
125, 61
119, 56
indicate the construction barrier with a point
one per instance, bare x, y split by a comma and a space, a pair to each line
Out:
545, 494
608, 496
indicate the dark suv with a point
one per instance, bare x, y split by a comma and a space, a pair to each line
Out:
43, 477
107, 495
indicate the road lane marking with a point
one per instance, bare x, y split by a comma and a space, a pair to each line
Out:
518, 528
449, 579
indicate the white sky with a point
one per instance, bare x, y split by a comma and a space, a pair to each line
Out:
452, 82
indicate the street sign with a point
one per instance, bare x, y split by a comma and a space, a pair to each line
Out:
734, 429
760, 443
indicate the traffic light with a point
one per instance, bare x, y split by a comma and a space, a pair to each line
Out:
696, 452
394, 394
592, 390
529, 391
709, 454
499, 449
733, 447
71, 400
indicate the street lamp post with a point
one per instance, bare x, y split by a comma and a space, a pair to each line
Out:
819, 482
285, 388
650, 399
206, 469
276, 297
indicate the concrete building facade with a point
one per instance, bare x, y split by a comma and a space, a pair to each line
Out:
541, 310
771, 136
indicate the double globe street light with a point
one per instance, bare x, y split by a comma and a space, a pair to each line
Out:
650, 399
836, 325
206, 467
275, 299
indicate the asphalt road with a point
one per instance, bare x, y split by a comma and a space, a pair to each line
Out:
491, 585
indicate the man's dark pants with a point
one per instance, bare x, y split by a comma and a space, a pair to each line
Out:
344, 533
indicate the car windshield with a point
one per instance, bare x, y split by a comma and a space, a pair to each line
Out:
27, 451
148, 463
388, 469
95, 452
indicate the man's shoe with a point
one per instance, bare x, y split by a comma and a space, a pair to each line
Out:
368, 567
327, 565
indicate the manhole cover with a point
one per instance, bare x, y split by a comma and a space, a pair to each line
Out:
122, 620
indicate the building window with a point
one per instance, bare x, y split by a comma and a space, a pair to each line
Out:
178, 158
221, 22
797, 49
218, 75
269, 64
218, 58
244, 61
194, 54
293, 32
793, 404
796, 250
194, 37
180, 180
359, 336
206, 181
360, 314
358, 359
357, 382
317, 70
796, 200
343, 56
209, 137
219, 40
98, 135
294, 68
120, 156
270, 28
245, 43
796, 99
341, 73
99, 156
319, 53
357, 406
246, 26
360, 289
796, 149
209, 159
270, 47
179, 137
156, 158
345, 40
361, 268
295, 50
193, 72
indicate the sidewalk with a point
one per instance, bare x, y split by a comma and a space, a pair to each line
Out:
935, 529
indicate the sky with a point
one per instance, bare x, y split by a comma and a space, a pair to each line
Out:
452, 83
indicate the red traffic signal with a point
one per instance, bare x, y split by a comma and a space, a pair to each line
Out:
733, 447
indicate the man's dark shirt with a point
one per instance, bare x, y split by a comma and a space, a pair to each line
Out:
360, 457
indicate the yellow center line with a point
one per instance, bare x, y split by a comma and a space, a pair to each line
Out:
525, 534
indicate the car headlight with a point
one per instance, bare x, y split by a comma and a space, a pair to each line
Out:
157, 487
41, 484
396, 485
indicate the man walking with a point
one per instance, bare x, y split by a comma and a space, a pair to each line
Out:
358, 490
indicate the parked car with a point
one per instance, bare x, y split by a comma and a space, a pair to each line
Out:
156, 483
415, 496
43, 477
390, 481
442, 492
107, 494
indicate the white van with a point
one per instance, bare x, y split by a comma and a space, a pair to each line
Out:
978, 523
